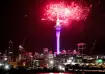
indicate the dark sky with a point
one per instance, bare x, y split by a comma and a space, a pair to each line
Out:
22, 18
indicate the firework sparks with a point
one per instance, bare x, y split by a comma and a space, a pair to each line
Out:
63, 12
78, 12
55, 11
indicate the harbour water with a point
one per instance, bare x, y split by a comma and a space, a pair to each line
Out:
55, 73
74, 73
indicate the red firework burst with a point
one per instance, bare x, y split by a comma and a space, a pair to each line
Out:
64, 12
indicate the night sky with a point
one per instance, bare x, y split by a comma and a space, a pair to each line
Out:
22, 19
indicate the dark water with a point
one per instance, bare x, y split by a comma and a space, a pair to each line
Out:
55, 73
74, 73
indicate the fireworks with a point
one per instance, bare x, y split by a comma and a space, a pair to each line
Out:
58, 12
63, 12
78, 12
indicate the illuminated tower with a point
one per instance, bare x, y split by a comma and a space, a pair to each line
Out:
62, 12
58, 30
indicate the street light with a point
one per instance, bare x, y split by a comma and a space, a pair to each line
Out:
62, 68
51, 62
7, 67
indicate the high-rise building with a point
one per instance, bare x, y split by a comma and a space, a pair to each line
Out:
81, 47
10, 51
10, 47
45, 50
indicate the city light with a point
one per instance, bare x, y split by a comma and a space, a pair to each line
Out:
69, 61
99, 61
51, 62
1, 64
5, 58
61, 68
73, 63
7, 67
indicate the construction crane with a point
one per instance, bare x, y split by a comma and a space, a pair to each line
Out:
93, 47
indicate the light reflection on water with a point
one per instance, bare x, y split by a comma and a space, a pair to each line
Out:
55, 73
60, 73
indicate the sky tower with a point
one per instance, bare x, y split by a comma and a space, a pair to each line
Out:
62, 12
58, 30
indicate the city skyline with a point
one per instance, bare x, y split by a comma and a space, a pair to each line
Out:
23, 19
